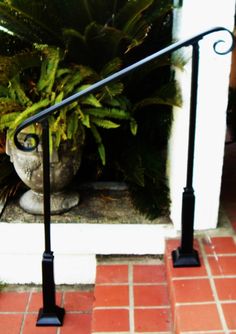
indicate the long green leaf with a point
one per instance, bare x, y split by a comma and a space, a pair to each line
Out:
168, 94
51, 57
130, 12
85, 119
153, 101
114, 89
72, 126
108, 113
91, 100
17, 92
112, 66
131, 21
6, 120
31, 111
104, 123
98, 140
133, 126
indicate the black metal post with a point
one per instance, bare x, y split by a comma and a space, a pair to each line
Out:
50, 314
186, 255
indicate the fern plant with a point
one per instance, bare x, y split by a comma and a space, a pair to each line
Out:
25, 96
103, 35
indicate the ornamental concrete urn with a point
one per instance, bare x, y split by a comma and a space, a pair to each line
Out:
64, 164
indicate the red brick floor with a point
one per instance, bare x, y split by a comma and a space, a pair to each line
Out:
19, 310
203, 299
131, 297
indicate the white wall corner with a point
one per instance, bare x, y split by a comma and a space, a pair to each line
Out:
192, 18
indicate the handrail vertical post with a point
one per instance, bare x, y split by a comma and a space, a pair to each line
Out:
50, 314
186, 255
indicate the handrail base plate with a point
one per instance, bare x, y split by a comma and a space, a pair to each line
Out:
51, 319
184, 260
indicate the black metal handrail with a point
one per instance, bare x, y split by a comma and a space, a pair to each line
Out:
183, 256
118, 75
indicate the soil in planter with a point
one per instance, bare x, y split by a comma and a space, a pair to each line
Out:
100, 202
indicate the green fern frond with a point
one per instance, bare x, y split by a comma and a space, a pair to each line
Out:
111, 102
132, 22
59, 97
98, 140
17, 92
30, 111
57, 139
51, 141
59, 124
171, 93
87, 72
168, 94
114, 89
112, 66
72, 126
104, 123
133, 126
91, 100
151, 101
50, 62
73, 81
102, 153
69, 32
62, 80
85, 119
8, 119
62, 71
108, 113
124, 103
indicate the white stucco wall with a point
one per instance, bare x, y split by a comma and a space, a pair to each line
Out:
192, 18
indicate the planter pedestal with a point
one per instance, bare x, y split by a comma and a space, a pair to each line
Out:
32, 202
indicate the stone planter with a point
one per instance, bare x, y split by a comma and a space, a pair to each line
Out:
64, 164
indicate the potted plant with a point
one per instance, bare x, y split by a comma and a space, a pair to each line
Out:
34, 89
95, 34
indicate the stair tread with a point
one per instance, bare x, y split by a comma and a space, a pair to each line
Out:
131, 296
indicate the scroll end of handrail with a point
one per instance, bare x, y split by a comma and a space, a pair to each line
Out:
223, 42
220, 41
201, 35
28, 143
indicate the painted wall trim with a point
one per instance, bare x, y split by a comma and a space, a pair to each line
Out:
192, 17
